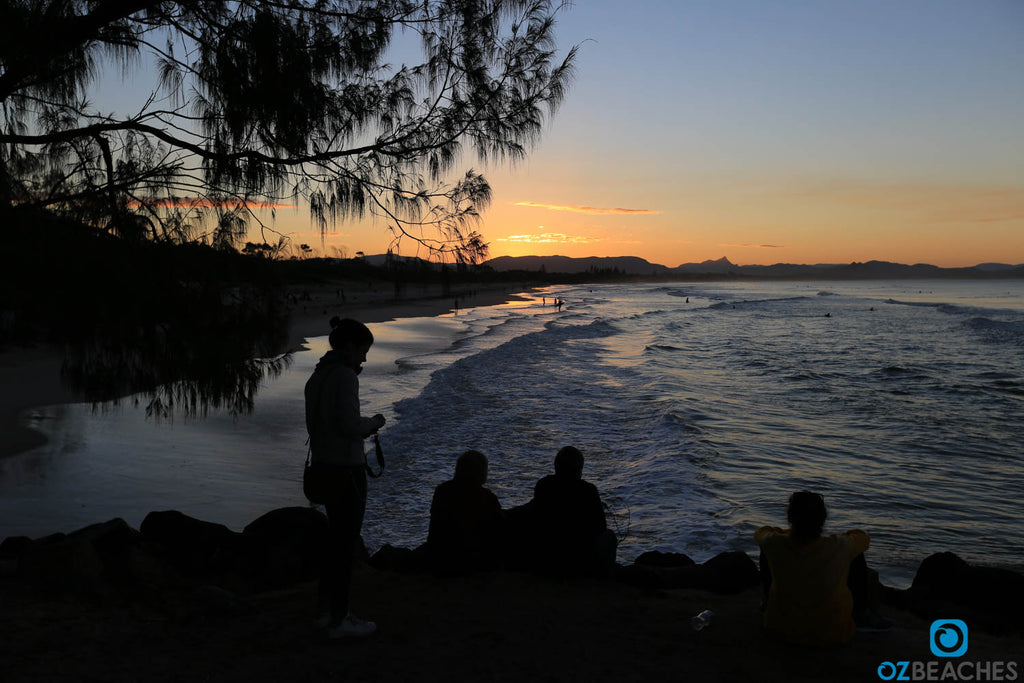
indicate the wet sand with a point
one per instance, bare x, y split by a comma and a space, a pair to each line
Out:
30, 377
377, 303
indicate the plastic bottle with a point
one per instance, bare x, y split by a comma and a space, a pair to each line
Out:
702, 620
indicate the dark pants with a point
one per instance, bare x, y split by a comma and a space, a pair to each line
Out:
857, 581
345, 521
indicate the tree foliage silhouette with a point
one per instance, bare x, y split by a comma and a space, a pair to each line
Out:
258, 103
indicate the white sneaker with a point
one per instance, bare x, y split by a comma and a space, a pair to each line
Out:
352, 627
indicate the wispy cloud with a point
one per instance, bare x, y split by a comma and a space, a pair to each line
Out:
550, 238
561, 238
753, 246
204, 203
592, 210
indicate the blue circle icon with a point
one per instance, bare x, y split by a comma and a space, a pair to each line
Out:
948, 638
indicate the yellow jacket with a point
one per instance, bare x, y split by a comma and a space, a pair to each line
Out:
809, 602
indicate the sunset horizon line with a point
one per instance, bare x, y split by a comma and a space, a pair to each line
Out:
777, 263
726, 259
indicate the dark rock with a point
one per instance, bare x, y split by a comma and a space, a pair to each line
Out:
396, 559
947, 586
52, 538
656, 558
940, 571
192, 546
278, 549
293, 539
728, 572
302, 529
13, 546
174, 528
60, 563
146, 571
213, 554
108, 537
113, 541
96, 559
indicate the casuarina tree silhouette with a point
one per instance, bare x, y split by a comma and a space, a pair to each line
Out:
253, 104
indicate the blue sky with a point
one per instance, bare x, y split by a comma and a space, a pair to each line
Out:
767, 131
830, 131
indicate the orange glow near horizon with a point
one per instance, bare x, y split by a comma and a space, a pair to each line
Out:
589, 209
749, 217
790, 221
812, 222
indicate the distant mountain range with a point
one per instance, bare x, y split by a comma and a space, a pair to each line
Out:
633, 265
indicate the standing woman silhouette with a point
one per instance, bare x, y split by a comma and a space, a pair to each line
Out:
336, 433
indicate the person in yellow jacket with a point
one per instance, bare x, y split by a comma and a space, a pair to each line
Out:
815, 585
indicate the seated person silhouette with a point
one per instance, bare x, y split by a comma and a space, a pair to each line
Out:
465, 520
568, 522
816, 587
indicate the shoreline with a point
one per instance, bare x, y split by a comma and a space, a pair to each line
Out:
30, 376
309, 317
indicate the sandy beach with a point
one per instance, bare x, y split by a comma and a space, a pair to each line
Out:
377, 303
485, 627
30, 377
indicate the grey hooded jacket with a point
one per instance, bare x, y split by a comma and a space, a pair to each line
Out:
336, 429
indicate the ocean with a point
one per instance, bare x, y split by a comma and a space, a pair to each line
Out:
699, 408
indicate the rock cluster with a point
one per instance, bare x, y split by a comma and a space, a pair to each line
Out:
171, 550
946, 586
728, 572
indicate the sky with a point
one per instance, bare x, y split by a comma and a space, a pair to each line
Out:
768, 131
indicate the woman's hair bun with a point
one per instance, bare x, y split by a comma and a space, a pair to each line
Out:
348, 332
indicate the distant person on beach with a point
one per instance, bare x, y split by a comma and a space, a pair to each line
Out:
567, 525
816, 587
465, 519
336, 433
